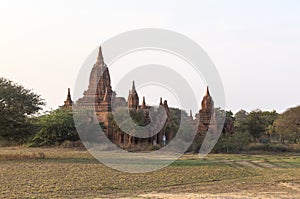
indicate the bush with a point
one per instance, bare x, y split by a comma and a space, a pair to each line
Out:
270, 147
7, 143
54, 128
232, 143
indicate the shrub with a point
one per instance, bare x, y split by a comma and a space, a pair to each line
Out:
54, 128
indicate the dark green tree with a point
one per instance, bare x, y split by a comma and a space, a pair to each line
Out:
270, 117
257, 125
17, 106
235, 134
240, 122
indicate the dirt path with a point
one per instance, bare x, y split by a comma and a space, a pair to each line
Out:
233, 195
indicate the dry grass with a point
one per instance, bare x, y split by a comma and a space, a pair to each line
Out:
71, 173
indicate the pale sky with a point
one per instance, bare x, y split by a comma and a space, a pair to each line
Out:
254, 44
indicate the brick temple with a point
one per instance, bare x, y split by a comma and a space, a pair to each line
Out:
99, 97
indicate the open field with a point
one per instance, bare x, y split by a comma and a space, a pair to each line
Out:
72, 173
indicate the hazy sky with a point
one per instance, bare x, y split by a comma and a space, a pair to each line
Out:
255, 45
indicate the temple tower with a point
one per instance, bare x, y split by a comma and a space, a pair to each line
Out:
133, 98
144, 106
98, 83
166, 106
68, 103
99, 93
207, 102
206, 112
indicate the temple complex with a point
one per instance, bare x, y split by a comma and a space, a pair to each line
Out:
99, 97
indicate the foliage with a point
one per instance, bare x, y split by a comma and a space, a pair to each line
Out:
270, 117
17, 105
55, 127
220, 116
240, 123
124, 123
232, 143
287, 125
257, 123
239, 130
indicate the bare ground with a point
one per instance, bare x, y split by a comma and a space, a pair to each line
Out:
72, 173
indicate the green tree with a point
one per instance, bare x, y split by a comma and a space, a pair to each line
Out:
287, 125
235, 134
270, 117
240, 122
55, 127
257, 125
232, 143
17, 105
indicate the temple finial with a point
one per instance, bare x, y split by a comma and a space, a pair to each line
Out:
191, 114
160, 101
144, 103
133, 87
69, 94
207, 91
100, 56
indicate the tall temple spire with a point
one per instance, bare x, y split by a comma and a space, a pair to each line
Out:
100, 56
69, 94
207, 91
207, 102
133, 87
206, 112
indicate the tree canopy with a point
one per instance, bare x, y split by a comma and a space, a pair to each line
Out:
287, 125
17, 104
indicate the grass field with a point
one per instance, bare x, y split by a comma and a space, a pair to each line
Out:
72, 173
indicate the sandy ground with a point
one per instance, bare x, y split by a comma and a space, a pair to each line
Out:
233, 195
285, 191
